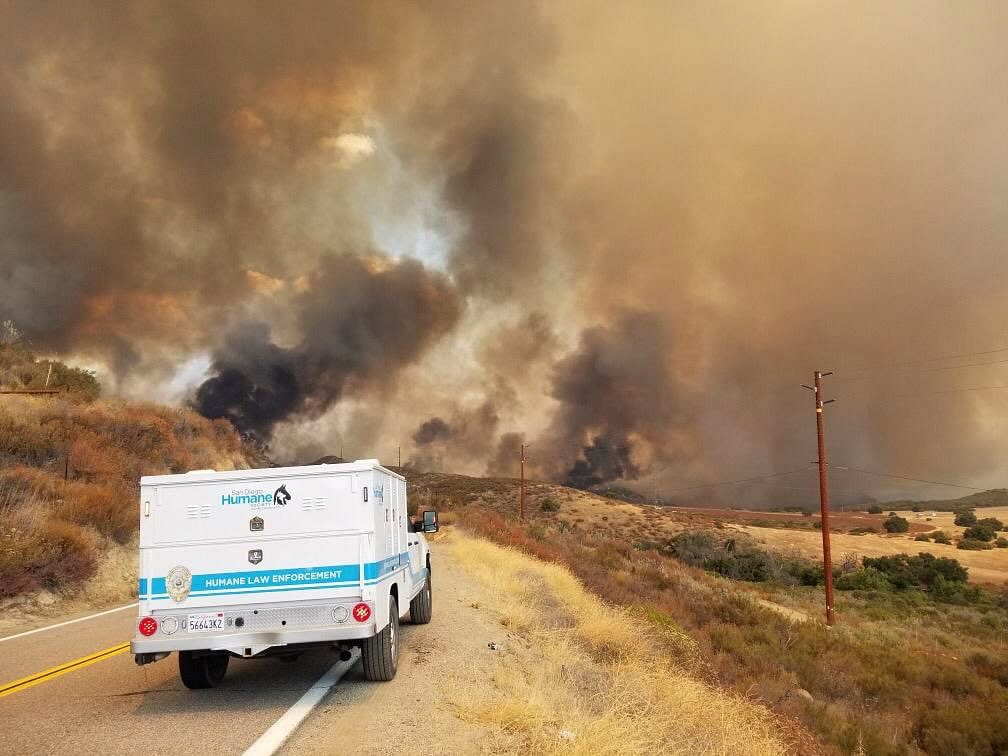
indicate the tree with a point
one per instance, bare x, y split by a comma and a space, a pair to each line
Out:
991, 522
896, 524
965, 518
874, 509
980, 533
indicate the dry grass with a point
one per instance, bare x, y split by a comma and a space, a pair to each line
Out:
69, 479
605, 677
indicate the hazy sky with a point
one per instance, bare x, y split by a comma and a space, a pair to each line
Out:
625, 233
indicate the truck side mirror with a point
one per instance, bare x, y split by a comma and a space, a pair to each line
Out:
430, 522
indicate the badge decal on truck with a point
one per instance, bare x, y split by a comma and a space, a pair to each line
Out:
178, 582
256, 524
255, 556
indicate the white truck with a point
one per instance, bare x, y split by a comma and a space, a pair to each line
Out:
255, 563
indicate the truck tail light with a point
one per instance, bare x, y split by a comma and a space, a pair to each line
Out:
340, 614
147, 626
362, 612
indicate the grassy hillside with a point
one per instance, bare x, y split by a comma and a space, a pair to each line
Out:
69, 478
917, 662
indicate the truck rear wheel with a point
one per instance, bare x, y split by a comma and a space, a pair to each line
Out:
198, 672
421, 605
380, 653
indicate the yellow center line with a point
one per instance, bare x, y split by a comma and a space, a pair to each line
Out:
62, 669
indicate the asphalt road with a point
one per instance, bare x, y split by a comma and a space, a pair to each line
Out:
113, 706
108, 705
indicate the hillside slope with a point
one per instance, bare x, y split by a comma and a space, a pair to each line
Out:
568, 674
69, 479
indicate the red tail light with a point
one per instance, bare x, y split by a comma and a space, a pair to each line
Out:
361, 612
147, 626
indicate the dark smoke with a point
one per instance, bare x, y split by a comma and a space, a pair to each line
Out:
617, 404
430, 431
362, 320
469, 434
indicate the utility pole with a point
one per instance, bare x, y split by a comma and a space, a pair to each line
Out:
399, 455
521, 488
816, 389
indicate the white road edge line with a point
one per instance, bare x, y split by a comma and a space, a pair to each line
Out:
68, 622
271, 740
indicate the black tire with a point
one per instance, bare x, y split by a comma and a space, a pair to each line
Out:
380, 653
199, 672
422, 604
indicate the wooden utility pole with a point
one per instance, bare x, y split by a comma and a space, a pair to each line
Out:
816, 388
399, 455
521, 487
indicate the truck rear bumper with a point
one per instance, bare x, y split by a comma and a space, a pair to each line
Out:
251, 643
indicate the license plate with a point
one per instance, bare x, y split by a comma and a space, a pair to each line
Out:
202, 623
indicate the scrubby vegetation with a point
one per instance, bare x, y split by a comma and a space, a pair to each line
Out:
69, 478
905, 670
549, 504
21, 369
896, 524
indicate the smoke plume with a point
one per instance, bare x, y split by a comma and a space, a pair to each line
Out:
623, 234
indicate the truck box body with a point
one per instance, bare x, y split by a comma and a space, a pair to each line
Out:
248, 560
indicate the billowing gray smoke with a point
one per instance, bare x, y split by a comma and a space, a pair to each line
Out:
618, 404
634, 229
360, 323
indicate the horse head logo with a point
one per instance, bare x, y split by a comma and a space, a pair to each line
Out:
281, 496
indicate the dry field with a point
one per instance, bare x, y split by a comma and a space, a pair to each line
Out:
984, 566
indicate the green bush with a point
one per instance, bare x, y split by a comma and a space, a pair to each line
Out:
922, 537
924, 571
991, 522
970, 544
1001, 543
896, 524
980, 533
965, 518
867, 579
874, 509
862, 531
549, 504
942, 537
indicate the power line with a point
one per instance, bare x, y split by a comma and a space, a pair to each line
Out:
736, 482
906, 477
964, 389
925, 361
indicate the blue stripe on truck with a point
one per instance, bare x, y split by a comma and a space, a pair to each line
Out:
298, 578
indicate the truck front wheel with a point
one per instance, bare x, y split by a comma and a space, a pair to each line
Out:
421, 605
380, 653
198, 672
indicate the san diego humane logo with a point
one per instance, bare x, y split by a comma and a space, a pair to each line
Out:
257, 498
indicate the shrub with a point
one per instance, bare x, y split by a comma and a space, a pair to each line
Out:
969, 544
862, 531
922, 537
980, 533
916, 508
965, 518
1001, 543
549, 504
896, 524
867, 579
922, 571
991, 522
874, 509
942, 537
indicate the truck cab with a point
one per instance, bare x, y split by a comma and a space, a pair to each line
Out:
253, 563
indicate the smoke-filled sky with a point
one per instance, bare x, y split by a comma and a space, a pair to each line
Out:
623, 233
